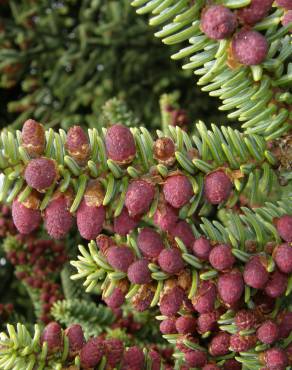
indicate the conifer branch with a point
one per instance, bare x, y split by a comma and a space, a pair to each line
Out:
257, 95
54, 348
154, 198
93, 319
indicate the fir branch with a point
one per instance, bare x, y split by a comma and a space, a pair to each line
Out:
51, 349
242, 159
238, 230
250, 92
244, 155
72, 290
93, 319
116, 110
21, 350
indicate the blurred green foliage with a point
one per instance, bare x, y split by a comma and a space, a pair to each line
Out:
60, 61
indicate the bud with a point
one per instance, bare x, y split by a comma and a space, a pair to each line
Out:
268, 332
91, 353
221, 257
245, 319
52, 334
255, 272
217, 187
204, 299
33, 138
120, 144
77, 144
218, 22
254, 12
168, 326
133, 359
124, 224
171, 301
186, 325
76, 338
41, 173
183, 231
277, 285
165, 216
120, 258
90, 220
26, 216
249, 47
219, 345
58, 219
155, 360
104, 242
94, 194
139, 197
116, 299
177, 190
286, 4
143, 298
230, 287
114, 351
179, 118
284, 227
242, 343
207, 321
170, 261
195, 358
275, 359
283, 258
164, 151
202, 248
139, 273
150, 243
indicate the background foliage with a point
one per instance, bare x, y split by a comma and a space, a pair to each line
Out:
60, 61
